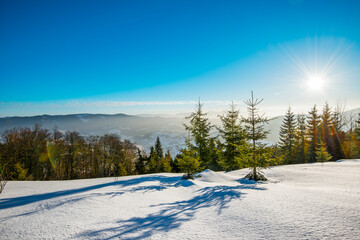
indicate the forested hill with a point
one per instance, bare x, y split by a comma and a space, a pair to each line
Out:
142, 129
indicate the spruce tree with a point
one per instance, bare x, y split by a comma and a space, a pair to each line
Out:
166, 162
254, 129
300, 139
326, 128
214, 154
140, 164
313, 133
158, 148
321, 154
153, 161
287, 136
200, 128
233, 136
189, 161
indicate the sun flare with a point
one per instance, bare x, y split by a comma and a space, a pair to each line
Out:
315, 83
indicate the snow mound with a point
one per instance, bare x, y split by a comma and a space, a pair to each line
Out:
213, 177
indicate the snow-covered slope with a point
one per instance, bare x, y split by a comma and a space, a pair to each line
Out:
308, 201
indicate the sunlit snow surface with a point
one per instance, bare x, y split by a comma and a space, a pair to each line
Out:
308, 201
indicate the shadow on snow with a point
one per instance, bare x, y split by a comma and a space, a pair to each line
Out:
24, 200
172, 215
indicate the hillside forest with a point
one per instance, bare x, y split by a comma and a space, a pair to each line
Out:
240, 142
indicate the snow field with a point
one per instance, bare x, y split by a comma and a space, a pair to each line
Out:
305, 201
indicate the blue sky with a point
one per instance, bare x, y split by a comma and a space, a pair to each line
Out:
60, 57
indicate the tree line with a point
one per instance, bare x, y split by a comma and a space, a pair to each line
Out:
240, 142
40, 154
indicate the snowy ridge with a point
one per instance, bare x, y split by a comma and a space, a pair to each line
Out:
305, 201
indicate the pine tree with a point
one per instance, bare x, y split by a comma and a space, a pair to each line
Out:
313, 133
321, 154
141, 163
200, 128
153, 161
254, 129
233, 136
214, 154
189, 162
287, 136
158, 148
300, 139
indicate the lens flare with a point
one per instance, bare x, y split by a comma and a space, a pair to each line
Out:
51, 153
319, 65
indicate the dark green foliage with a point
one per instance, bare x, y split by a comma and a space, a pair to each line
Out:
158, 148
214, 154
233, 138
200, 128
175, 165
141, 163
288, 136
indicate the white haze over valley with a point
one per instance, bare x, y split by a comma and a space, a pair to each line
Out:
141, 129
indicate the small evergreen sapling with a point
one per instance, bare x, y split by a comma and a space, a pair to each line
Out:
321, 154
166, 163
234, 139
200, 128
254, 129
188, 162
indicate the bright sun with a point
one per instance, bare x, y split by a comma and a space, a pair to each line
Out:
315, 83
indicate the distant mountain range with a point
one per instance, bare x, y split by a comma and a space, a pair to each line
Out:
141, 129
